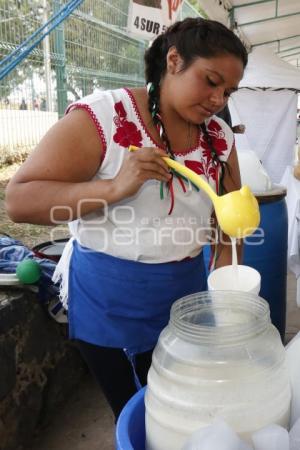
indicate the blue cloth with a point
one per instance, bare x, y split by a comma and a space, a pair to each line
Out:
12, 252
125, 304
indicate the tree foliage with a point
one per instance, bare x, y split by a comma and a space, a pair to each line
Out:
19, 19
91, 48
198, 8
97, 52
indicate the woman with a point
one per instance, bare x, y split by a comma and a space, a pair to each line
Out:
138, 229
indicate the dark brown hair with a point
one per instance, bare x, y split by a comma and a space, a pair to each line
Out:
193, 38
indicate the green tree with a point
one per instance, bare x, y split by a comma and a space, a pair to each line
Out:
97, 51
19, 19
200, 10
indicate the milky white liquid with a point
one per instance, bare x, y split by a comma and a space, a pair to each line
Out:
235, 269
168, 428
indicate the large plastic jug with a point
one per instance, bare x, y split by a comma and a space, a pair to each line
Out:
219, 356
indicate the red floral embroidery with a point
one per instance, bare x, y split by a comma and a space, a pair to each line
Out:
127, 132
217, 136
213, 171
196, 166
206, 166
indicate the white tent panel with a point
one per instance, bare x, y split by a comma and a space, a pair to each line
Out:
270, 119
265, 69
259, 9
288, 6
271, 47
291, 60
269, 114
278, 29
250, 13
289, 43
260, 22
287, 53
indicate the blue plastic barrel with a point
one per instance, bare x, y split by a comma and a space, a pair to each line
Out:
130, 429
270, 256
266, 251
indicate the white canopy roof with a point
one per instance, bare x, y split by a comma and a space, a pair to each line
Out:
270, 23
270, 114
267, 70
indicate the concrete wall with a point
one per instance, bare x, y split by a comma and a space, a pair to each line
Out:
23, 129
39, 367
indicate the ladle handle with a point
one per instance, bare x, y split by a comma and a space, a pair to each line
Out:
192, 176
187, 173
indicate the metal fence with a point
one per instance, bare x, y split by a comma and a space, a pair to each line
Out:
91, 49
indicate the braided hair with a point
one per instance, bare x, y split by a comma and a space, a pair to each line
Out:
193, 38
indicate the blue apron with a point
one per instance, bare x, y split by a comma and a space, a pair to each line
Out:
120, 303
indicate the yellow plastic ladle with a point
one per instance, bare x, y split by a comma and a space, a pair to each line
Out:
237, 212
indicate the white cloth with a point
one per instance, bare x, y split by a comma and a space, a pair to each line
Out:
293, 207
265, 69
61, 273
270, 120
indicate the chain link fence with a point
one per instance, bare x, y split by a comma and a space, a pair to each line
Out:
90, 50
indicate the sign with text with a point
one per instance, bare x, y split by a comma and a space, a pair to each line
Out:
149, 18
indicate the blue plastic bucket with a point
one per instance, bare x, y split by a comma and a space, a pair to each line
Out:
266, 251
130, 429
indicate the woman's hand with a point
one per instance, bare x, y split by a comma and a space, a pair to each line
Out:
139, 166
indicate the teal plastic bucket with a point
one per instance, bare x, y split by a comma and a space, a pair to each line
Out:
130, 429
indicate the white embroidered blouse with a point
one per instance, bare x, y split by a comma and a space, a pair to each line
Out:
139, 228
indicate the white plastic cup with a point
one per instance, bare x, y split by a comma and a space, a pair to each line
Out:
230, 278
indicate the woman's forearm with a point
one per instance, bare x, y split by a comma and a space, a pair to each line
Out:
52, 202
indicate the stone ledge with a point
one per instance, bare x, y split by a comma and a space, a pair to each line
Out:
40, 368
